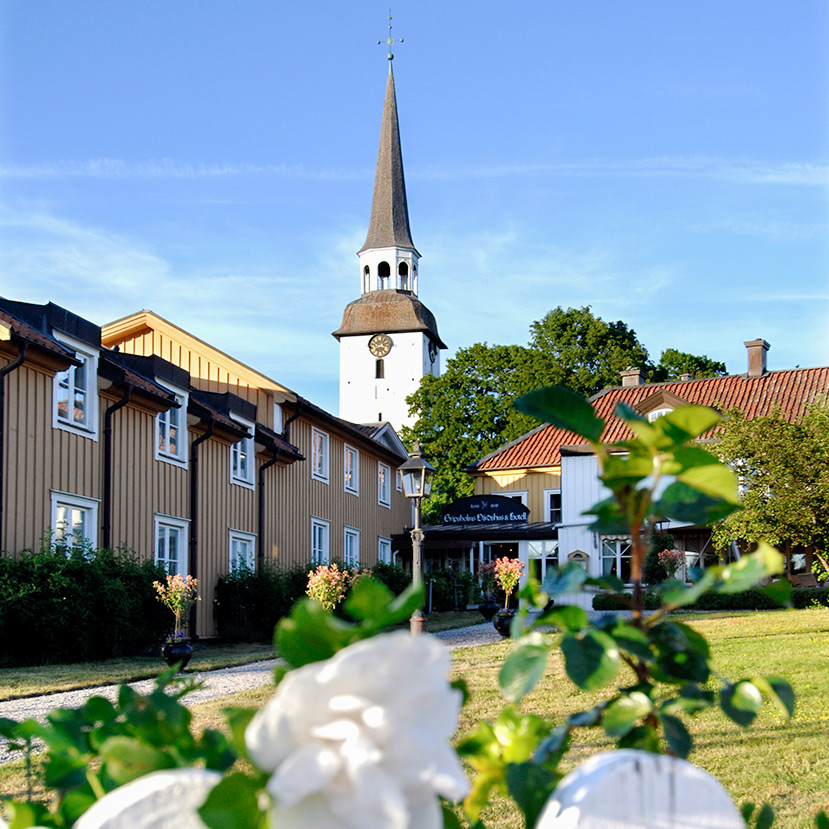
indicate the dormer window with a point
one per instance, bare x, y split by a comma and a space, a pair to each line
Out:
653, 415
76, 391
383, 275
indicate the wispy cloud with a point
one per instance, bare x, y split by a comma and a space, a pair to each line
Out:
747, 171
113, 168
781, 231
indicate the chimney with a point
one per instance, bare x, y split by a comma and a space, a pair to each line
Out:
757, 357
633, 377
684, 377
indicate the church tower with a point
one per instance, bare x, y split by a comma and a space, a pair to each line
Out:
388, 338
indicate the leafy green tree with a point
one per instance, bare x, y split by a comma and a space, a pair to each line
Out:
673, 364
783, 468
576, 349
466, 413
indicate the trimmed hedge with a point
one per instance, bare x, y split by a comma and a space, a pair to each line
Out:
92, 604
752, 599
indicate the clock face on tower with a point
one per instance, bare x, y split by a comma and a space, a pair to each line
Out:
380, 345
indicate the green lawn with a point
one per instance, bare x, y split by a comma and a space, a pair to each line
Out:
785, 764
47, 679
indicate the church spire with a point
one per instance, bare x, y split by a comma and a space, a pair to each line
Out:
389, 224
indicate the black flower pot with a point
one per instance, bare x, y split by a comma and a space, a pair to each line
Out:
177, 653
488, 607
502, 621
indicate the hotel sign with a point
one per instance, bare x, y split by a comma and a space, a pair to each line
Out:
479, 510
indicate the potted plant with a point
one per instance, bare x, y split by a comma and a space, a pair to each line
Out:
489, 604
328, 585
671, 561
179, 593
507, 573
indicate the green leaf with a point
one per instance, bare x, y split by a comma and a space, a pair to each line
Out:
310, 634
765, 819
367, 597
678, 595
563, 408
779, 591
565, 617
682, 502
687, 422
677, 735
591, 659
643, 738
127, 759
523, 668
553, 747
625, 712
232, 804
765, 561
567, 579
530, 786
607, 582
822, 820
629, 467
715, 480
746, 811
778, 691
99, 709
450, 819
23, 815
627, 413
609, 518
631, 640
741, 701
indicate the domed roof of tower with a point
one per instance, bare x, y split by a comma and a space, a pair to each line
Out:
389, 224
389, 311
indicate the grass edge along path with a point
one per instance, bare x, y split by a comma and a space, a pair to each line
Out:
32, 681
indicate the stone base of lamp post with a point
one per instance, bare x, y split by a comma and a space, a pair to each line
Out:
417, 623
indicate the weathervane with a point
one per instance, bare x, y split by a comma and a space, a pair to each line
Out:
390, 40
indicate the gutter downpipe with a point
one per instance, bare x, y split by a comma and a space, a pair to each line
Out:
260, 547
7, 369
106, 529
194, 514
286, 427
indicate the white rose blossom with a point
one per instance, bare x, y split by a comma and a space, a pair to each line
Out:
362, 739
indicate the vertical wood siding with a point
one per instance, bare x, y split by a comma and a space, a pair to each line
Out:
534, 481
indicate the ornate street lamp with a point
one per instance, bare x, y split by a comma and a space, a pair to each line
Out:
417, 475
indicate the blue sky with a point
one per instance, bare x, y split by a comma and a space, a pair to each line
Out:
665, 163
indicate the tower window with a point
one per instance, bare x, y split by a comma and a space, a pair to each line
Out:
379, 370
366, 273
383, 275
403, 271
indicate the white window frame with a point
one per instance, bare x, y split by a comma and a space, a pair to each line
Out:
320, 540
398, 480
238, 538
384, 549
243, 449
622, 551
515, 494
89, 506
383, 484
277, 418
351, 482
89, 355
320, 444
182, 527
657, 413
351, 547
547, 511
163, 419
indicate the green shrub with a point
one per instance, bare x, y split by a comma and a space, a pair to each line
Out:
450, 590
393, 576
810, 596
91, 604
609, 601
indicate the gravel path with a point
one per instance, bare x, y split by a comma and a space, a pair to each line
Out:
219, 683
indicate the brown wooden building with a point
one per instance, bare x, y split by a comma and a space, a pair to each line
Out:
140, 434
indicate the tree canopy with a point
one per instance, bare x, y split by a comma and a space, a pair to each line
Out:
467, 412
783, 470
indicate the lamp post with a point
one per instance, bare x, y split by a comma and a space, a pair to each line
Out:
417, 475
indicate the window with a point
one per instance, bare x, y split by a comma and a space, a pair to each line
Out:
242, 462
384, 550
171, 431
398, 475
403, 271
319, 455
380, 369
542, 557
76, 392
519, 495
383, 485
319, 540
277, 418
656, 413
351, 547
616, 558
171, 544
351, 464
242, 551
74, 522
552, 506
383, 275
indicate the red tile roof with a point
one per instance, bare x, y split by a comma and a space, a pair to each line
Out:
789, 391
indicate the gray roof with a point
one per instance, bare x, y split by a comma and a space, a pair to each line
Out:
389, 225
